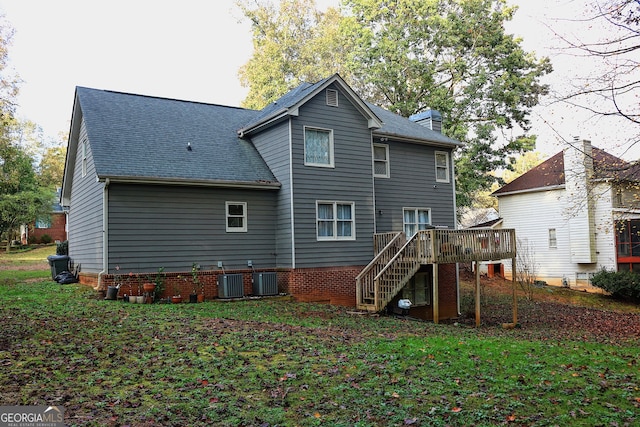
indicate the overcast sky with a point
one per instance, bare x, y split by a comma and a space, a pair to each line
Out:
193, 49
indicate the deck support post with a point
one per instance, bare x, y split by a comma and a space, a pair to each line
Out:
477, 294
436, 306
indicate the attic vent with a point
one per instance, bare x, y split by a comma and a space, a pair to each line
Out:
332, 97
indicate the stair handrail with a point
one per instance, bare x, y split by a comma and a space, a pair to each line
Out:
375, 262
417, 261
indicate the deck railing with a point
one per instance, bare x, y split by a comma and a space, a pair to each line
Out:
396, 263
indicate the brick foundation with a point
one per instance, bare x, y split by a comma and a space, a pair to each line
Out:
330, 285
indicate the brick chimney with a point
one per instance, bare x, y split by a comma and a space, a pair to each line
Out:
578, 176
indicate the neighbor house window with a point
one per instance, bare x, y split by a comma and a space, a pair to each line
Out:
236, 216
442, 166
415, 219
318, 147
553, 241
335, 221
84, 157
43, 222
381, 160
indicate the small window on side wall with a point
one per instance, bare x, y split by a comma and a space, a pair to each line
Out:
236, 213
553, 241
83, 148
442, 166
381, 160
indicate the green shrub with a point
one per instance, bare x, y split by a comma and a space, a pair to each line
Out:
46, 239
620, 284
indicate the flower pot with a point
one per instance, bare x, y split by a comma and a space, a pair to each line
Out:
200, 297
176, 300
125, 298
193, 298
140, 299
149, 287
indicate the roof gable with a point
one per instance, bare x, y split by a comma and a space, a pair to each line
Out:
550, 173
290, 103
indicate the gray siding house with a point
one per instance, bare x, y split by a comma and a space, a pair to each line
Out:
299, 188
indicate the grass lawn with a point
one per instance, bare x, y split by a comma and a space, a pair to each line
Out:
273, 362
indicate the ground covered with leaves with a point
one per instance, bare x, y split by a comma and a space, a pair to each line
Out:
276, 362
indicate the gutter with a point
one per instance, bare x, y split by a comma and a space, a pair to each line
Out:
105, 232
256, 185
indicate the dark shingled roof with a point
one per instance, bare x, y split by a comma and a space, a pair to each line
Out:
550, 173
401, 127
142, 137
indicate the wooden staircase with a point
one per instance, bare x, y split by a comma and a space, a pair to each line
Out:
389, 271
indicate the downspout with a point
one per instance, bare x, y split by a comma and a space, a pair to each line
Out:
105, 233
292, 204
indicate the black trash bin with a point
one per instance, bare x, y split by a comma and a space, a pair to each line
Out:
58, 264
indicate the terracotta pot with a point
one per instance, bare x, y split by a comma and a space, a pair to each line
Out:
149, 287
200, 298
176, 300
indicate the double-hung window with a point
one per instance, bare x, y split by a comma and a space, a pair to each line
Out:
381, 160
553, 240
335, 221
318, 147
236, 213
415, 219
442, 166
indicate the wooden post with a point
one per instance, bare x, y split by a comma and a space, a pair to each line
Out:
436, 307
515, 298
477, 294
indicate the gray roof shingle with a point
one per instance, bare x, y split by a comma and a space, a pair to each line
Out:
142, 137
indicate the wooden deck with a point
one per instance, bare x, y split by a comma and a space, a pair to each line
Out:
397, 259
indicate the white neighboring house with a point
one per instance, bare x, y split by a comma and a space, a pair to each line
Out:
576, 213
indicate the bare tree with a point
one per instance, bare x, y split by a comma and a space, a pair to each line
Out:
526, 267
614, 87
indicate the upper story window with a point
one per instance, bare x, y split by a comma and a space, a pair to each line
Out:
442, 166
332, 97
318, 147
236, 213
415, 219
381, 160
553, 240
335, 220
83, 153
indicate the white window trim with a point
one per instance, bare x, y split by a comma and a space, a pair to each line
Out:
553, 241
83, 161
446, 162
331, 156
335, 221
242, 229
415, 209
387, 173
